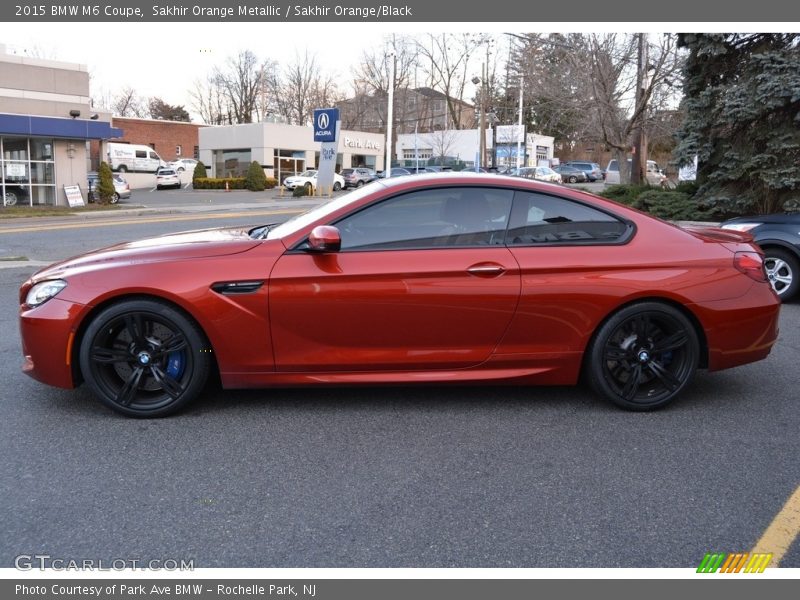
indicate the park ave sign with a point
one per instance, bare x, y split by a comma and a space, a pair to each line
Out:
359, 143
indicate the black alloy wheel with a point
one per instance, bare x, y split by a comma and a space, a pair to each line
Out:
144, 358
643, 356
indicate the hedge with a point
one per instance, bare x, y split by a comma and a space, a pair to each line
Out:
234, 183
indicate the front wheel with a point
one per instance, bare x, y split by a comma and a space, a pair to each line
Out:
573, 179
144, 358
782, 270
10, 199
643, 356
115, 198
337, 186
122, 169
309, 189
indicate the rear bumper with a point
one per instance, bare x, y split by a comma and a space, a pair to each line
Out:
740, 330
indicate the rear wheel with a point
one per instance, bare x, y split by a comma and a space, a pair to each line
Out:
643, 356
782, 270
144, 358
115, 198
309, 189
359, 183
573, 179
10, 199
122, 169
336, 186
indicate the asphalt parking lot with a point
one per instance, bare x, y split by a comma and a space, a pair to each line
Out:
392, 477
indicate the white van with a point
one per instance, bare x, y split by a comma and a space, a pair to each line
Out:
133, 157
655, 175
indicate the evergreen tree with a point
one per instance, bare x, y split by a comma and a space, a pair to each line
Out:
742, 106
105, 184
199, 172
255, 181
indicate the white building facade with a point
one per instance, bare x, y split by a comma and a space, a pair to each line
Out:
282, 150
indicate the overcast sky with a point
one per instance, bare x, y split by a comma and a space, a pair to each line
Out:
165, 59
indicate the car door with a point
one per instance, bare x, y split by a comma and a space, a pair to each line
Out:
423, 282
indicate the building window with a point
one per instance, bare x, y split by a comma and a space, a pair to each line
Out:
231, 163
28, 170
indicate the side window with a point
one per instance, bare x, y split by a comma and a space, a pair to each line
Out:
141, 154
445, 217
539, 219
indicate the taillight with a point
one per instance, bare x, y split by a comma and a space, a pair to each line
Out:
751, 264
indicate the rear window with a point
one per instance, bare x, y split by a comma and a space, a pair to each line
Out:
166, 172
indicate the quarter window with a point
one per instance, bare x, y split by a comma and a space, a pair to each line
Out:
539, 219
445, 217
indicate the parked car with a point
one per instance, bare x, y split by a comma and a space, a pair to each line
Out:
540, 173
779, 237
167, 178
399, 172
121, 187
358, 176
308, 179
570, 174
654, 174
592, 170
14, 194
435, 278
184, 164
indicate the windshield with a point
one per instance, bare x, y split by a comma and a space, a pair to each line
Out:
320, 212
308, 173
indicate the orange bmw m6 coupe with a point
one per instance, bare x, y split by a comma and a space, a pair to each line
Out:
434, 279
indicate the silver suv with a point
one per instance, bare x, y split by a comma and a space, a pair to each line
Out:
655, 176
358, 176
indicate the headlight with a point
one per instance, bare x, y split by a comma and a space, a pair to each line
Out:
43, 291
741, 226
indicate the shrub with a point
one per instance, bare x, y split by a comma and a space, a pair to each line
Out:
624, 193
105, 184
299, 191
207, 183
199, 172
271, 182
255, 181
671, 205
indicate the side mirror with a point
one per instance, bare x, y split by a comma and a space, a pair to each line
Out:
325, 238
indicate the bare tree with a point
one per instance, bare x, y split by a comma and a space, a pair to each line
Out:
447, 63
441, 142
302, 88
240, 83
128, 104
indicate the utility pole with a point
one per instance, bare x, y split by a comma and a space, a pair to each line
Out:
482, 159
520, 131
387, 169
639, 158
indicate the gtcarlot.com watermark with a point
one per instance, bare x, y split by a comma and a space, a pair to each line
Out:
45, 562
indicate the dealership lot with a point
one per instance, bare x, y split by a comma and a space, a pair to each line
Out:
392, 477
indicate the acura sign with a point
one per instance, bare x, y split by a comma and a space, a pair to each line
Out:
325, 124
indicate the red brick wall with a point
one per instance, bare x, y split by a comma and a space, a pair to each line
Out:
163, 136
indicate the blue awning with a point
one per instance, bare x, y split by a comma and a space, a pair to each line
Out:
75, 129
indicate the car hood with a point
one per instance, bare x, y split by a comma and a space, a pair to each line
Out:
203, 243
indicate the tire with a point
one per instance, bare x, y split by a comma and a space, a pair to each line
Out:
783, 271
114, 198
643, 356
337, 186
572, 179
122, 169
359, 183
144, 358
10, 199
309, 189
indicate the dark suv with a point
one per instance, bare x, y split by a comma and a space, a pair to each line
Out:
357, 176
592, 170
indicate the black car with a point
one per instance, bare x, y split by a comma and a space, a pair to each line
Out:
779, 237
570, 174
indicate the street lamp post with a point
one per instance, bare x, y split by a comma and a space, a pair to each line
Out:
482, 121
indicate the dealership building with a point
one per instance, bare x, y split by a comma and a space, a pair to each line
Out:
282, 149
46, 122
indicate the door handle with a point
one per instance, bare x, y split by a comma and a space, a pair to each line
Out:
486, 270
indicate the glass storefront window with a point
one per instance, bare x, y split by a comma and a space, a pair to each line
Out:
231, 163
30, 181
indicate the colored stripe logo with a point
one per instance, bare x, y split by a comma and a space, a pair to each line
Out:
737, 562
